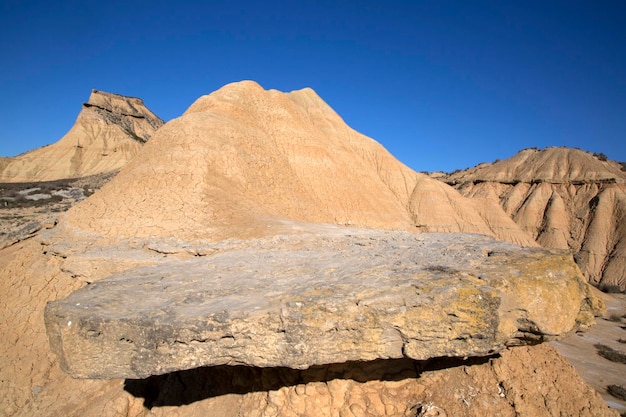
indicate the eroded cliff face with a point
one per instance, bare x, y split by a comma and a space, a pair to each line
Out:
109, 131
563, 198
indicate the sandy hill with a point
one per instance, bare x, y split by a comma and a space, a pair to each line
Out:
109, 131
564, 198
242, 160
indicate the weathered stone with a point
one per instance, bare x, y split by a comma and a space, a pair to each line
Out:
303, 300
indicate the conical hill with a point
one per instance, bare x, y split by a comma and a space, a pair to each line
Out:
244, 160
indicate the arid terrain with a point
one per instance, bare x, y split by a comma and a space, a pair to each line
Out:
259, 190
563, 198
29, 207
582, 350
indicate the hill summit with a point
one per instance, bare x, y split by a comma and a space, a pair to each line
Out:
108, 132
555, 165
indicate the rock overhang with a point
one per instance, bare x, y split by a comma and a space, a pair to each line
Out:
315, 299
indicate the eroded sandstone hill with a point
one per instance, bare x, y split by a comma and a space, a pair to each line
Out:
241, 160
564, 198
109, 131
244, 162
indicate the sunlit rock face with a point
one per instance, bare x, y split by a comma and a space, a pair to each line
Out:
109, 131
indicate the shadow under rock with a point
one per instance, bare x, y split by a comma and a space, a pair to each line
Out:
188, 386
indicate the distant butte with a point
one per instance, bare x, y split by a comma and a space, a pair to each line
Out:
109, 131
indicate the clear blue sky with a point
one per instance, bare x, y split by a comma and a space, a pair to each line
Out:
441, 84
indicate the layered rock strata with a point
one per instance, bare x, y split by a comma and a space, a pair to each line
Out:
563, 198
299, 301
109, 131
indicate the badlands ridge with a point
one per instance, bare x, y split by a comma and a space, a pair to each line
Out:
259, 257
563, 198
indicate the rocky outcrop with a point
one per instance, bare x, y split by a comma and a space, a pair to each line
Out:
521, 381
563, 198
299, 301
109, 131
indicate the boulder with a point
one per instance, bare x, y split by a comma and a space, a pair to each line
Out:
320, 298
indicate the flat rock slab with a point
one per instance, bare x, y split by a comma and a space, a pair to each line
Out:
303, 300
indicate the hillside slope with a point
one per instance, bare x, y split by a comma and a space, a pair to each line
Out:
564, 198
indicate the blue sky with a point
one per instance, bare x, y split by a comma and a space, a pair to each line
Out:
441, 84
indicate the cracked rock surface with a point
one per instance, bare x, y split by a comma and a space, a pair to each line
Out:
314, 299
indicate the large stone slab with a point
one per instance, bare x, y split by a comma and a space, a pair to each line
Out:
298, 301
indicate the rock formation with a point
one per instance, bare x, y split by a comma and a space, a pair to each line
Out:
109, 131
254, 178
564, 198
524, 381
289, 302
